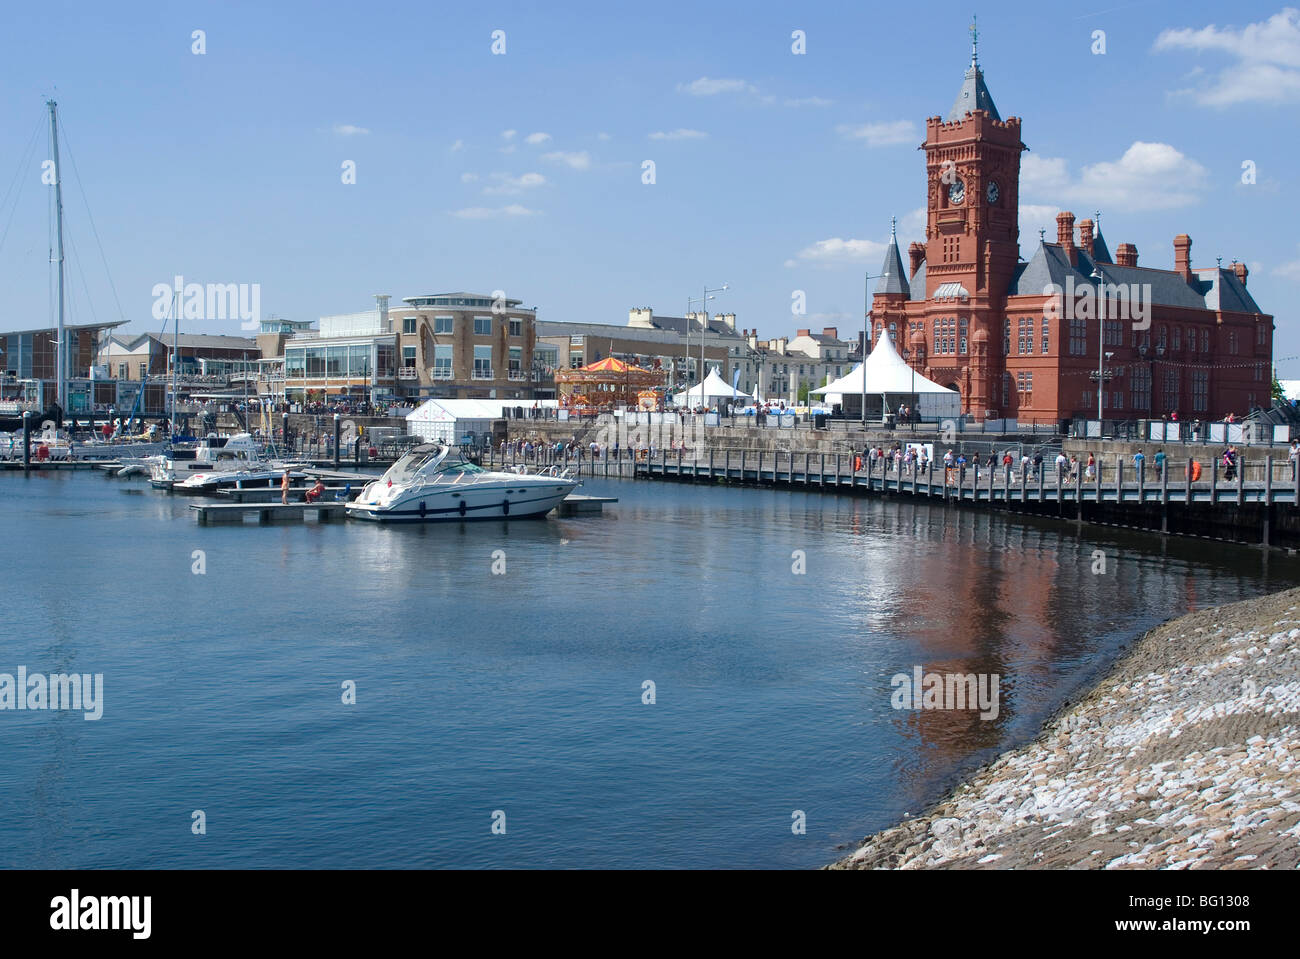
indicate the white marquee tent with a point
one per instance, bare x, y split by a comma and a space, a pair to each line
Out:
450, 420
890, 380
714, 388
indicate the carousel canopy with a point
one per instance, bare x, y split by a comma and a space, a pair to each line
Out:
714, 387
611, 370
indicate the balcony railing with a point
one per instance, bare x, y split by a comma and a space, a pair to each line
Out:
518, 376
481, 374
442, 373
408, 373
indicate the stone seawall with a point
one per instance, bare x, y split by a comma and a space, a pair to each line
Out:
1184, 756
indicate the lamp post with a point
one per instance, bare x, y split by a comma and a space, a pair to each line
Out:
704, 327
1101, 343
866, 323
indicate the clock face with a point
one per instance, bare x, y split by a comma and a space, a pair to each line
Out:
957, 192
993, 192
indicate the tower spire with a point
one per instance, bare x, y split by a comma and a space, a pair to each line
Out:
974, 42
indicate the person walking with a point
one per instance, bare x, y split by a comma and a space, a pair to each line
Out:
284, 488
1090, 471
1159, 461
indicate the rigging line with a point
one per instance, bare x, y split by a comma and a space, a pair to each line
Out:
93, 229
82, 273
17, 180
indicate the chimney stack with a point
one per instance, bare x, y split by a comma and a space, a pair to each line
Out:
1183, 256
915, 256
834, 331
1241, 271
1065, 234
801, 332
1126, 254
1085, 236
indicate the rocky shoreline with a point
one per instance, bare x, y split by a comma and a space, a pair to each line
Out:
1183, 756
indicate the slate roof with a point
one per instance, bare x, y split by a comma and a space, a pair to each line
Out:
918, 283
973, 95
893, 277
1100, 253
1213, 288
681, 324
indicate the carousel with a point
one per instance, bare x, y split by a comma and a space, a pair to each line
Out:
608, 384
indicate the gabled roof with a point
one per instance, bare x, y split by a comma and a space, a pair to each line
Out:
918, 283
1213, 288
682, 324
1100, 252
1223, 291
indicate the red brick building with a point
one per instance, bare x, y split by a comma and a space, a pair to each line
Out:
1019, 338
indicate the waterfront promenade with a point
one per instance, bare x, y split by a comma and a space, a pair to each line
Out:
1256, 505
1184, 756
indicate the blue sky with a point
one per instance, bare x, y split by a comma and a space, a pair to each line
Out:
774, 172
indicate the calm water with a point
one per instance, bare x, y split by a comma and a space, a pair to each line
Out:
522, 692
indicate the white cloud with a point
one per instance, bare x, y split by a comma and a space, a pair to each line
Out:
880, 134
1266, 55
913, 224
468, 177
508, 134
807, 102
457, 146
511, 148
507, 185
579, 160
1149, 176
1290, 271
679, 134
709, 86
1040, 174
487, 213
603, 136
1035, 217
535, 138
838, 252
348, 130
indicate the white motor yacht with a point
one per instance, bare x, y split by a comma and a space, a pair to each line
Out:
216, 454
435, 483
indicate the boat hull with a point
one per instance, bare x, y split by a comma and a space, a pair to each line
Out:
445, 506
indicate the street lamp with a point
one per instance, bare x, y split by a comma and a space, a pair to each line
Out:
1101, 344
704, 326
866, 322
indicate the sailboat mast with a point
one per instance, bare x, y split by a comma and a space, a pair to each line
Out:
176, 339
58, 215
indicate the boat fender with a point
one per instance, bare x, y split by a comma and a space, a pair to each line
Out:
505, 507
422, 509
463, 507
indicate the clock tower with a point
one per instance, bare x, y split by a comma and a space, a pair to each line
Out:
972, 160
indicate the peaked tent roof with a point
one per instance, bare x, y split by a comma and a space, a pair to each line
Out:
714, 387
611, 365
885, 372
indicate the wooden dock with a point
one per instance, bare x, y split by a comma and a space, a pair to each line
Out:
576, 504
216, 514
1252, 511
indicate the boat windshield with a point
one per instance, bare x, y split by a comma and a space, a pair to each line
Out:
410, 465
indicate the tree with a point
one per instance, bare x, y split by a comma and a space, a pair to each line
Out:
803, 392
1279, 393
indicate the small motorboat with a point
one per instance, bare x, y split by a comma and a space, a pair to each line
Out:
435, 483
